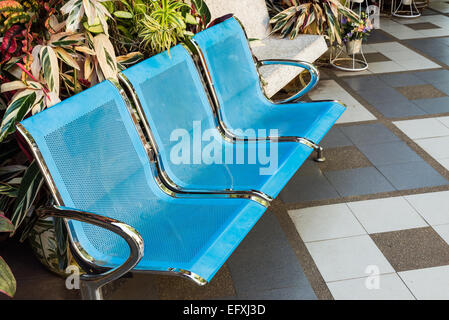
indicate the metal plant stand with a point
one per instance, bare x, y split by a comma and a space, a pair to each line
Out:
401, 12
350, 4
349, 62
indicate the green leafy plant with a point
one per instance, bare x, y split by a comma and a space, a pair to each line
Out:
315, 16
7, 280
45, 59
164, 26
152, 26
49, 51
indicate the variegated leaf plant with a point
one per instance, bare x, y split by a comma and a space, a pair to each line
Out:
59, 49
311, 16
7, 280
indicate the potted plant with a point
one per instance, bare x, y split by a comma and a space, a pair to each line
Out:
354, 32
293, 17
51, 50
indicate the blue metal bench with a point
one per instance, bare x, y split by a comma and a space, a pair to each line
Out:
117, 186
95, 161
169, 95
234, 84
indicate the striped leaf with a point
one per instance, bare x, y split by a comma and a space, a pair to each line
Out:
31, 183
66, 58
75, 10
130, 58
5, 224
66, 39
7, 280
203, 10
50, 68
20, 105
105, 56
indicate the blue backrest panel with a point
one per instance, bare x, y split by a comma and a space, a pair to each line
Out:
171, 95
91, 147
231, 64
96, 159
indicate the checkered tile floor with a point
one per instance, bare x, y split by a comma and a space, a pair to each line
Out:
372, 222
375, 217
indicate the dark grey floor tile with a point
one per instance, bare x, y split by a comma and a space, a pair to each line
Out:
265, 261
442, 86
428, 46
138, 287
401, 79
422, 26
292, 293
389, 153
369, 134
433, 106
308, 186
434, 76
359, 181
444, 40
361, 83
399, 109
335, 138
374, 57
412, 175
379, 35
443, 59
373, 95
428, 12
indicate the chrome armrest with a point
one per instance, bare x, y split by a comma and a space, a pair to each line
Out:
91, 283
161, 177
314, 74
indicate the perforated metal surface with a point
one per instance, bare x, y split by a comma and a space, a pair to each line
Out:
174, 100
98, 163
237, 85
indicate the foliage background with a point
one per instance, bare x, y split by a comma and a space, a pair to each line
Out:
49, 51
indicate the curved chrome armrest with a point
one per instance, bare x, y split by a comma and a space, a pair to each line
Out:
314, 74
91, 283
161, 177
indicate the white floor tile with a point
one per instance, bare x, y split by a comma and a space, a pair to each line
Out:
399, 29
391, 287
429, 283
444, 163
330, 89
385, 66
384, 215
340, 73
443, 231
386, 47
442, 32
347, 258
433, 206
403, 54
444, 120
326, 222
418, 64
422, 128
438, 147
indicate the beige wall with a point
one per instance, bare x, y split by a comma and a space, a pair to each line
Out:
252, 13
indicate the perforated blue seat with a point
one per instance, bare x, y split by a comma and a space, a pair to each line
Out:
172, 97
241, 100
98, 163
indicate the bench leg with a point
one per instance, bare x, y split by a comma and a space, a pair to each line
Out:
319, 154
90, 291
